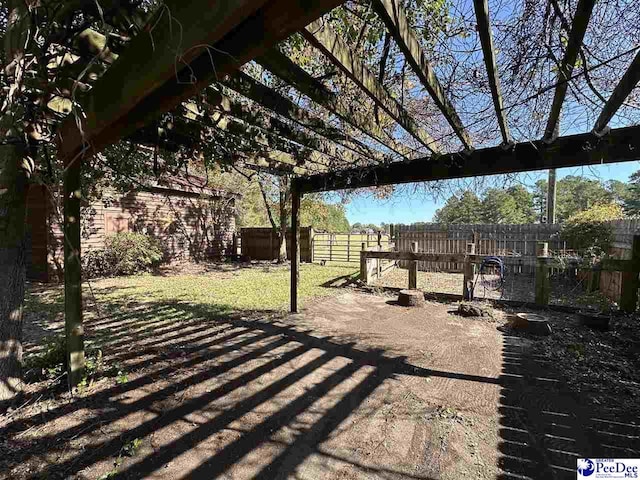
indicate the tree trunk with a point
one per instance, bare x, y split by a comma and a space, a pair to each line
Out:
15, 166
13, 198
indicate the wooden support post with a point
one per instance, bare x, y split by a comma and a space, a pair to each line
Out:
74, 330
542, 282
363, 265
630, 284
413, 268
295, 246
469, 273
594, 280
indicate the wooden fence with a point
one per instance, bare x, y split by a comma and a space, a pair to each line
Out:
489, 239
262, 243
629, 269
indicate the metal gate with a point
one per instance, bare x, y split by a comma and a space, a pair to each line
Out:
345, 247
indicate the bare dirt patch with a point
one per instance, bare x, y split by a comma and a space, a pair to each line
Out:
354, 387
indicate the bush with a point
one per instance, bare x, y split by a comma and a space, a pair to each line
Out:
124, 253
588, 231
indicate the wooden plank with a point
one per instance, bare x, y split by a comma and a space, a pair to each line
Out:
323, 38
396, 21
619, 145
574, 43
282, 105
627, 83
247, 29
630, 282
152, 58
486, 40
271, 125
281, 66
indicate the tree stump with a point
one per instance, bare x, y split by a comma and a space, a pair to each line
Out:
536, 324
411, 298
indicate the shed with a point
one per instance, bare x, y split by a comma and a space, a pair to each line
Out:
190, 219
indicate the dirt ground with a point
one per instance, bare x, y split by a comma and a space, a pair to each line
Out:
355, 387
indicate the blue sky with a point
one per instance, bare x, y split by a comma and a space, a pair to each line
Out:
407, 208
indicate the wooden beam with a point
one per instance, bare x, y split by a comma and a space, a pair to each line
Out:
627, 83
175, 37
221, 36
282, 105
271, 124
74, 329
295, 246
394, 17
280, 65
574, 43
324, 39
486, 40
619, 145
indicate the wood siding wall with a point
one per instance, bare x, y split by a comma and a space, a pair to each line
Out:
187, 225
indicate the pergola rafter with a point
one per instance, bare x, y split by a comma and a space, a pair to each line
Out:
395, 19
488, 52
627, 83
323, 38
281, 66
574, 44
268, 98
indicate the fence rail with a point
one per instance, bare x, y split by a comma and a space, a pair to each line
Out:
345, 247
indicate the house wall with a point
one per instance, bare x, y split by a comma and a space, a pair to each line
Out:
188, 225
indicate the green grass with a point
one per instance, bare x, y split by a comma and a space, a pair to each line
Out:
254, 288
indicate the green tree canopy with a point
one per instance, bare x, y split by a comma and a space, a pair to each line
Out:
511, 206
466, 208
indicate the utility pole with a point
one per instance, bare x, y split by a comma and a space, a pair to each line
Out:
551, 197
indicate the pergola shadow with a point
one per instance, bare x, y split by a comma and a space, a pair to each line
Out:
545, 427
223, 368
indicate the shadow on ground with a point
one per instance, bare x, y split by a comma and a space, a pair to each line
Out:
212, 394
545, 427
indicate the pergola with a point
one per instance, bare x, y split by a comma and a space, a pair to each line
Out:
158, 72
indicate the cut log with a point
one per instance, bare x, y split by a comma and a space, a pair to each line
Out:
536, 324
411, 298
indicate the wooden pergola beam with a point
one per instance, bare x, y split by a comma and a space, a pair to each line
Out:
268, 98
269, 123
282, 66
394, 17
324, 39
619, 145
574, 43
486, 40
217, 38
152, 58
627, 83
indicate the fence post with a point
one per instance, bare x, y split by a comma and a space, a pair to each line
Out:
312, 236
348, 246
543, 285
363, 265
629, 295
469, 272
413, 268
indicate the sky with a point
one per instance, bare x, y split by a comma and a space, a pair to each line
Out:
407, 208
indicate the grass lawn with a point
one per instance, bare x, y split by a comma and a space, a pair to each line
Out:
225, 289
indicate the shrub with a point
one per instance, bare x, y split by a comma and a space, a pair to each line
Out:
588, 231
124, 253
